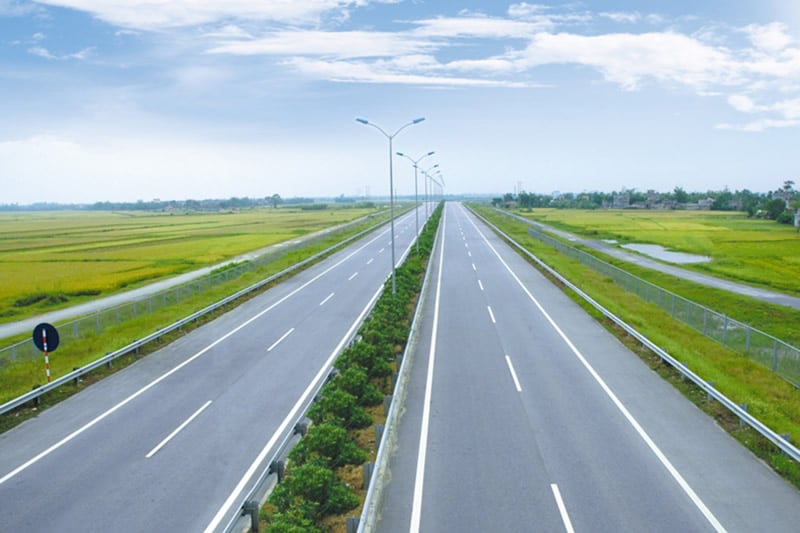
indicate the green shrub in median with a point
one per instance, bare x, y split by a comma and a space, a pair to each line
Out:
329, 445
312, 489
339, 407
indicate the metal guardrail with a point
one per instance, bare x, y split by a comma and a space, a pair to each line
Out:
780, 357
778, 440
108, 358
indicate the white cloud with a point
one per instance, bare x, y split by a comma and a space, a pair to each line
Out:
45, 53
628, 59
155, 14
387, 71
623, 18
342, 44
742, 103
769, 37
474, 27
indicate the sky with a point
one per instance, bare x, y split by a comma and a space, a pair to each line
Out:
125, 100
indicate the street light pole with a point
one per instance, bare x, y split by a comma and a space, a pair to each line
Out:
429, 192
416, 200
391, 181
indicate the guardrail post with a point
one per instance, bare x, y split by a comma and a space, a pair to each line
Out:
709, 397
351, 524
38, 400
744, 407
251, 508
366, 473
77, 378
278, 468
387, 404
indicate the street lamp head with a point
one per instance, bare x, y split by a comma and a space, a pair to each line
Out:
418, 120
429, 153
401, 154
362, 120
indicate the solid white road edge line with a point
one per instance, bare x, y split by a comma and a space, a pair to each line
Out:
164, 376
562, 508
513, 374
212, 526
277, 342
687, 489
416, 508
177, 430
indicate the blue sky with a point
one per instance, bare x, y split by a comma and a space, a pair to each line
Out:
173, 99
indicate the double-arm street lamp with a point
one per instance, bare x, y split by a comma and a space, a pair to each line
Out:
416, 201
391, 180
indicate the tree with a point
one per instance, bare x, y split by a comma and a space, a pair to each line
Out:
774, 208
275, 199
680, 195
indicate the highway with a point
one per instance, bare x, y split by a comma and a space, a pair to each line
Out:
169, 443
524, 414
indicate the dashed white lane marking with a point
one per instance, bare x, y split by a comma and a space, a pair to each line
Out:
177, 430
513, 374
277, 342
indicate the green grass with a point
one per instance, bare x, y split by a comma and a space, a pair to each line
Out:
20, 377
776, 320
752, 251
771, 399
50, 260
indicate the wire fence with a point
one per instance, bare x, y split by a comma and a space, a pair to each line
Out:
95, 323
769, 351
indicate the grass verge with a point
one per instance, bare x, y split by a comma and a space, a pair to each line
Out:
769, 398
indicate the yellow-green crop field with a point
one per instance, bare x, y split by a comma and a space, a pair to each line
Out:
753, 251
53, 259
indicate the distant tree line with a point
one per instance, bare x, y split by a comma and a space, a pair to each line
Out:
780, 204
273, 201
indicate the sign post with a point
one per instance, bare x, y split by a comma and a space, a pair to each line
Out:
45, 337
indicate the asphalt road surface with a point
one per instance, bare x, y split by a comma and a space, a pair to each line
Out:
524, 414
168, 443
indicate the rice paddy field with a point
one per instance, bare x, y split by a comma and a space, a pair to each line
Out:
757, 252
54, 259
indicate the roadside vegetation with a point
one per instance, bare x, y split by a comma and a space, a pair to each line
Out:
323, 481
50, 260
768, 397
21, 376
748, 250
756, 251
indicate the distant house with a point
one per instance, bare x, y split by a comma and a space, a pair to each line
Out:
797, 219
705, 204
622, 201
